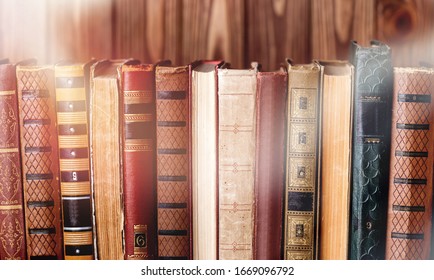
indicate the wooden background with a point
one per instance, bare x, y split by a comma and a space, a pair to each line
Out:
237, 31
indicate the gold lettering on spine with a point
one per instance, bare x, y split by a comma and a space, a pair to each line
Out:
140, 243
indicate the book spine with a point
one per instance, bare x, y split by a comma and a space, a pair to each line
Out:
302, 148
12, 231
271, 96
40, 162
236, 162
139, 136
373, 91
411, 166
73, 139
173, 162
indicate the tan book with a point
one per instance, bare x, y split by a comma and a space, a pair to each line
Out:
335, 174
236, 162
105, 149
204, 159
302, 150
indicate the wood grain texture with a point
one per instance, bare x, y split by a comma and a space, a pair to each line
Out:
336, 23
277, 30
213, 30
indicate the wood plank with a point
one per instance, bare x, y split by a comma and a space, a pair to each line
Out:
276, 31
407, 27
336, 23
213, 30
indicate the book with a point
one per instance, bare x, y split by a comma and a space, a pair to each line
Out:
174, 190
236, 161
72, 103
12, 229
204, 129
409, 214
271, 97
373, 90
40, 161
336, 89
301, 212
138, 156
106, 157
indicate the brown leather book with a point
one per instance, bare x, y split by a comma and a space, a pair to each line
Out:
174, 193
301, 211
335, 175
138, 149
204, 159
72, 103
236, 162
12, 230
40, 161
106, 157
411, 165
271, 96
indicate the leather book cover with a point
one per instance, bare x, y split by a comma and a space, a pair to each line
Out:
336, 90
411, 165
40, 161
236, 162
106, 158
72, 103
204, 149
138, 147
271, 96
12, 229
173, 93
301, 210
373, 90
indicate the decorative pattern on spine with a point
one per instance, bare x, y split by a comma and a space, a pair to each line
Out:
72, 84
138, 141
12, 236
302, 148
236, 162
373, 90
39, 150
173, 162
411, 165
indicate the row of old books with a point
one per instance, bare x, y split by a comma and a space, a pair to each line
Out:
116, 159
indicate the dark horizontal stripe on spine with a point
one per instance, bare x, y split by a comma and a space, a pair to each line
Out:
77, 213
42, 230
29, 150
172, 151
72, 129
71, 153
37, 93
300, 201
74, 176
138, 108
410, 154
47, 176
172, 232
172, 205
412, 126
174, 95
407, 235
408, 208
69, 82
48, 203
173, 258
43, 258
410, 181
172, 178
172, 124
78, 250
71, 106
417, 98
37, 122
138, 130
